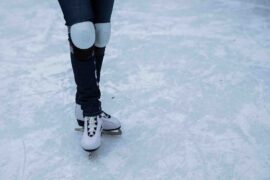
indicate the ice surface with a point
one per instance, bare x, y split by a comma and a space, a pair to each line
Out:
188, 78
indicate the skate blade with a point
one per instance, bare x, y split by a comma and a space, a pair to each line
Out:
112, 132
91, 153
80, 129
107, 132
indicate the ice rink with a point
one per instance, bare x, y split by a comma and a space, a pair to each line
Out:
189, 80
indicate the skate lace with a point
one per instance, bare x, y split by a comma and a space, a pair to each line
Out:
91, 126
105, 115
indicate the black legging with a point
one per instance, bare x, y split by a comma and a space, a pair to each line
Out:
96, 11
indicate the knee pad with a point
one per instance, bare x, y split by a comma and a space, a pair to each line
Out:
82, 38
103, 33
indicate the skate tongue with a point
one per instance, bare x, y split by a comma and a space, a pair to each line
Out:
91, 125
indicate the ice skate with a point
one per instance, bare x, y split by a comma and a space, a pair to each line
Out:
110, 126
91, 138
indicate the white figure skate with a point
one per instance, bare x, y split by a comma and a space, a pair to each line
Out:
91, 138
111, 125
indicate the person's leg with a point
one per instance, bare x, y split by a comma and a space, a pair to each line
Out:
102, 14
79, 18
76, 11
102, 11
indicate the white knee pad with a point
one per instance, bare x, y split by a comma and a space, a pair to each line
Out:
103, 33
83, 34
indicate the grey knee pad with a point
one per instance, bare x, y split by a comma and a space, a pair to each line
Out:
82, 38
103, 33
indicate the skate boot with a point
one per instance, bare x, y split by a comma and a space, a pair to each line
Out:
91, 138
111, 125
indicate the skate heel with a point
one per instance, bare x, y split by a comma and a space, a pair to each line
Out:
80, 122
